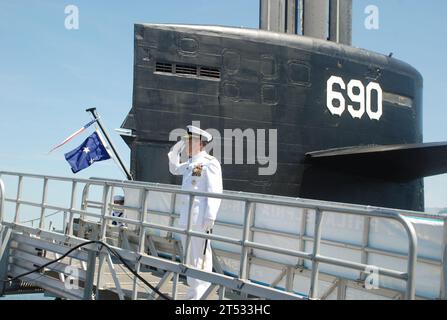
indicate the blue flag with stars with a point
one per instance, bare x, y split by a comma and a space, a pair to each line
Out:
90, 151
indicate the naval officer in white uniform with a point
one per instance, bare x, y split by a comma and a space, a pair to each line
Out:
201, 173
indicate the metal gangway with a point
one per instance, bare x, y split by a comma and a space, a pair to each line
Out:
75, 216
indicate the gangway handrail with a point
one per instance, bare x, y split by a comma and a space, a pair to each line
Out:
320, 209
229, 195
298, 200
409, 276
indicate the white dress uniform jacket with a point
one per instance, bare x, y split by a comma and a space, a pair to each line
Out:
200, 173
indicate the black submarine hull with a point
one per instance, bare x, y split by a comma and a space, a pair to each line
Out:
316, 94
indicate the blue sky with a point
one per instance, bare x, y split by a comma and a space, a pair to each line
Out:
49, 75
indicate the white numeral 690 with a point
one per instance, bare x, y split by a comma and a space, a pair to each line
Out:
362, 98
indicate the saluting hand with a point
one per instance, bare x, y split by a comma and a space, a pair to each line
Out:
178, 147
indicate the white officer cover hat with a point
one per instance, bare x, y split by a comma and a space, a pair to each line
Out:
197, 132
118, 198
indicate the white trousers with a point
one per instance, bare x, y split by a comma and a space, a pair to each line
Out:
198, 260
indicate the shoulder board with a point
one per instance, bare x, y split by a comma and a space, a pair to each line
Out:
208, 157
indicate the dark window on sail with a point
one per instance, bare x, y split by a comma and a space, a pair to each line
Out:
210, 72
188, 70
163, 67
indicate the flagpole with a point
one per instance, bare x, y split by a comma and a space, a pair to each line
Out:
98, 121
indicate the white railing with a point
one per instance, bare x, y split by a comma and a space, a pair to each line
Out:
245, 243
